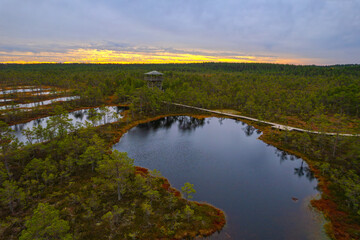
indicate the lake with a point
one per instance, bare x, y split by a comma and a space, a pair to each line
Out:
264, 192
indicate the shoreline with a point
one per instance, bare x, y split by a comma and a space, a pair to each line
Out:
335, 227
216, 225
69, 111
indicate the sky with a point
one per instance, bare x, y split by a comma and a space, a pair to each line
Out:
321, 32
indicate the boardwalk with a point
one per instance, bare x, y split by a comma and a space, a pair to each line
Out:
274, 125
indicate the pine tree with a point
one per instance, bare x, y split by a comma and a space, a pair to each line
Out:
45, 223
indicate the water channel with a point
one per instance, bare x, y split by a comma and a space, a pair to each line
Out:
37, 104
45, 93
110, 114
20, 90
5, 100
264, 192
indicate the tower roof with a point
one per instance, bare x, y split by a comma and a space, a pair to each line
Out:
154, 73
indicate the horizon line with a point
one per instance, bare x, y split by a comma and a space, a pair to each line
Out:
169, 63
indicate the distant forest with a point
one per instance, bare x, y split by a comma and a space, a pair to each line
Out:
266, 91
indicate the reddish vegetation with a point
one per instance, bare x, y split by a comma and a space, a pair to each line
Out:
110, 100
166, 185
294, 121
337, 228
141, 171
217, 225
350, 125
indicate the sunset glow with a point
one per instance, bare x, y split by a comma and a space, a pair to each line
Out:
126, 57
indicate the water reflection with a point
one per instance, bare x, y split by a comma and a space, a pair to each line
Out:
44, 93
6, 100
103, 115
185, 123
283, 156
304, 171
233, 170
37, 104
20, 90
249, 130
33, 91
79, 114
188, 124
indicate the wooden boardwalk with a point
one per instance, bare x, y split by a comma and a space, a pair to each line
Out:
274, 125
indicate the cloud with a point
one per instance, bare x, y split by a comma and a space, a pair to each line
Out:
306, 29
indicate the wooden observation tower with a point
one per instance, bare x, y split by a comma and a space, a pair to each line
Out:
154, 79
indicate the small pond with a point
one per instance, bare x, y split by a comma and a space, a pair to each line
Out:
111, 114
264, 192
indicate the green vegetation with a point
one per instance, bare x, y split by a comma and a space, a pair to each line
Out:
72, 186
46, 224
187, 190
66, 171
280, 93
279, 88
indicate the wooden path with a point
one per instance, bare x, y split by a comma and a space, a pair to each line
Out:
274, 125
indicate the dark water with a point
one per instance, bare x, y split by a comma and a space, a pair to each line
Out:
111, 114
254, 183
37, 104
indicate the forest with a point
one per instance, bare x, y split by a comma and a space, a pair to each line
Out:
69, 173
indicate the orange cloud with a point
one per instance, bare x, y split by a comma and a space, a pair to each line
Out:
123, 57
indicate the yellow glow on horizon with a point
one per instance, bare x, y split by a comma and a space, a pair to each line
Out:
128, 57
